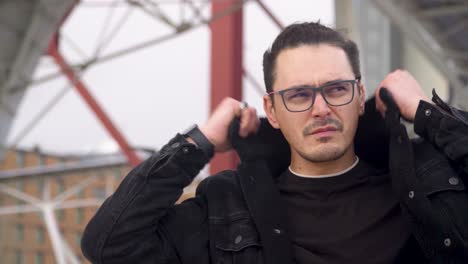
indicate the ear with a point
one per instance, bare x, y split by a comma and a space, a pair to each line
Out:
362, 99
270, 111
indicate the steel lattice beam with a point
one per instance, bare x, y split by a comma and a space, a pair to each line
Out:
133, 159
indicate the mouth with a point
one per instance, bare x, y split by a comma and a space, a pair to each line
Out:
324, 131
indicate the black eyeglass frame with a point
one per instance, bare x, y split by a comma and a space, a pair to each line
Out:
315, 90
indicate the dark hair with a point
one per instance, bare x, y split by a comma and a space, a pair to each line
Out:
309, 33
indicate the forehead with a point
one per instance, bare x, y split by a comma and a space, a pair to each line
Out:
311, 65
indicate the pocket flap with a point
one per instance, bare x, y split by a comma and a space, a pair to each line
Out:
438, 176
234, 235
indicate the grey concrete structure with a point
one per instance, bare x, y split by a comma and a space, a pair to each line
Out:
26, 27
427, 37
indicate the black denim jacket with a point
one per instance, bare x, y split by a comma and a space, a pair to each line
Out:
237, 216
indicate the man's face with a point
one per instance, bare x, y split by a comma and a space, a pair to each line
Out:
324, 132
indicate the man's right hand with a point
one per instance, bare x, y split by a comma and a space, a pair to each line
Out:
216, 128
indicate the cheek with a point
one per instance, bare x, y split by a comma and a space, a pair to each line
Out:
350, 121
291, 125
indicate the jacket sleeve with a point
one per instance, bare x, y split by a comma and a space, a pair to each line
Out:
128, 227
447, 129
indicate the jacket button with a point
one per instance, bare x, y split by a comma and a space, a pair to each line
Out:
185, 150
447, 242
411, 194
238, 239
277, 231
453, 180
428, 112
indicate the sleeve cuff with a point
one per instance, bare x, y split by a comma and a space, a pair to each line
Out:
427, 115
186, 155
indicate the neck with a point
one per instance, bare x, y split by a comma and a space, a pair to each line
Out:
303, 166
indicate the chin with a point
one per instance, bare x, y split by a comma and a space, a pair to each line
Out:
323, 153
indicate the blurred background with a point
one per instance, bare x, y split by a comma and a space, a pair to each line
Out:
90, 88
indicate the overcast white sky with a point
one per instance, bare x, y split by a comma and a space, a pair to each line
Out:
150, 94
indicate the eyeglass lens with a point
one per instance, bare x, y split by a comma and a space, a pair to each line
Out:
302, 98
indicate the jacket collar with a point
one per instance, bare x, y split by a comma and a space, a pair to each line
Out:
269, 144
266, 155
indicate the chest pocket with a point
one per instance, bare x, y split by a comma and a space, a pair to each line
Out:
236, 240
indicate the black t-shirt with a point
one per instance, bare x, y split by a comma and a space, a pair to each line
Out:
349, 218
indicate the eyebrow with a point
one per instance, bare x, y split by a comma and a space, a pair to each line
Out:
322, 84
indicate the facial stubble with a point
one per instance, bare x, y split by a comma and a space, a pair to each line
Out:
331, 152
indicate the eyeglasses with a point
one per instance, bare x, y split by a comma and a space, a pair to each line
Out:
300, 99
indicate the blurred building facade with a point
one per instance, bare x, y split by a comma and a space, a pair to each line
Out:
24, 232
24, 235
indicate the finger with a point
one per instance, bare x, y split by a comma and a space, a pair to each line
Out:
381, 108
257, 122
251, 122
241, 106
254, 121
245, 118
256, 125
379, 105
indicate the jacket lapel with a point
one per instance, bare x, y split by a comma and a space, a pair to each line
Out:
262, 158
267, 210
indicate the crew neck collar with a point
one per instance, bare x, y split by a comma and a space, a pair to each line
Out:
326, 175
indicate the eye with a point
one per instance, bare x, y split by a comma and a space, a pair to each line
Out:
337, 89
298, 94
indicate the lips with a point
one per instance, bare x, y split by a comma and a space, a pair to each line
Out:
324, 129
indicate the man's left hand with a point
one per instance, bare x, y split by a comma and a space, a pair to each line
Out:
406, 92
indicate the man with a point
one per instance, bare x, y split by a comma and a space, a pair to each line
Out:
331, 187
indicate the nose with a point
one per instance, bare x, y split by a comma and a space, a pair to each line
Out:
320, 108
